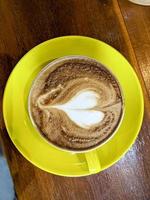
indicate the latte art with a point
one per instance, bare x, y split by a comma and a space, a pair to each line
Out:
80, 109
76, 103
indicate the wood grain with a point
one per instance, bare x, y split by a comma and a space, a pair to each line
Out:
125, 26
137, 20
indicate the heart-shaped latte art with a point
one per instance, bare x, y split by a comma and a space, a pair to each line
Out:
80, 108
76, 104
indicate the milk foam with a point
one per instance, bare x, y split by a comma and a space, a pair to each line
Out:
80, 108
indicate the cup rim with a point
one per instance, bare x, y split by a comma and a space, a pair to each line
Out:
50, 64
140, 3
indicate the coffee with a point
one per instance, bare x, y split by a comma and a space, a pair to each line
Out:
75, 103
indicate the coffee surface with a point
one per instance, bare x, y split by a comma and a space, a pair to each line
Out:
76, 103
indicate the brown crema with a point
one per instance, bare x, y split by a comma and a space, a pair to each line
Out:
57, 84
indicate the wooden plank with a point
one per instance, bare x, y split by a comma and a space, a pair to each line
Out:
137, 21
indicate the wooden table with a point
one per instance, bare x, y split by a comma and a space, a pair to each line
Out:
125, 26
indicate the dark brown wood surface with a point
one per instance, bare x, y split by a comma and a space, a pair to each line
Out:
125, 26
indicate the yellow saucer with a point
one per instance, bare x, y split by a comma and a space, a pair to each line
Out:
26, 138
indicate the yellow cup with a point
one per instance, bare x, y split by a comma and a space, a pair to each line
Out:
90, 153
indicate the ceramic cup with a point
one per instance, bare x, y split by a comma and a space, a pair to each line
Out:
141, 2
90, 154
